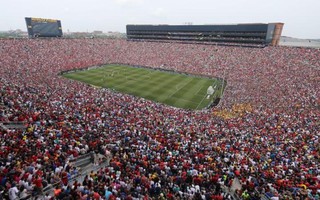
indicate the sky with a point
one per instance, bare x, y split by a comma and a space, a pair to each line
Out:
301, 18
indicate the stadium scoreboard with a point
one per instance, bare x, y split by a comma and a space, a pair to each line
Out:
41, 27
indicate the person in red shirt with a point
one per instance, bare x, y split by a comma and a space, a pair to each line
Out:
64, 178
96, 195
38, 186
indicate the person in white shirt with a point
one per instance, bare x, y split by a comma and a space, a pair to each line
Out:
23, 194
13, 192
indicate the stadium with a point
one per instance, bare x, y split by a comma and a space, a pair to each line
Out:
69, 131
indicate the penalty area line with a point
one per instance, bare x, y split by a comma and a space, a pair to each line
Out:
201, 101
186, 83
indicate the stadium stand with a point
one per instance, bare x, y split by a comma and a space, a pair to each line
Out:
263, 139
250, 35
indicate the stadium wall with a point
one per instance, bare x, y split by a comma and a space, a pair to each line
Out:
277, 34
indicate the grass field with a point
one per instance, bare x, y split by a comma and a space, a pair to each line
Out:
174, 89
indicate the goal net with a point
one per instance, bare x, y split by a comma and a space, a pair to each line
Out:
210, 90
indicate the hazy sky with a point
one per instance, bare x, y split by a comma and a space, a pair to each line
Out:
301, 17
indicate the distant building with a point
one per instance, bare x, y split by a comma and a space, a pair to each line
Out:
97, 32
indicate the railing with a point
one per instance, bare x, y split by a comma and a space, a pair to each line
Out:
7, 125
83, 160
233, 195
86, 168
46, 190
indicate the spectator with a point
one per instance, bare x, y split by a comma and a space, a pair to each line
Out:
157, 151
13, 192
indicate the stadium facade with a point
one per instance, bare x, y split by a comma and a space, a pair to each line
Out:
238, 34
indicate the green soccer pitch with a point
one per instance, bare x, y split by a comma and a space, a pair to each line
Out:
174, 89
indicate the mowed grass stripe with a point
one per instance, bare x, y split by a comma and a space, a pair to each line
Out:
176, 101
121, 77
129, 81
154, 78
181, 103
139, 77
189, 90
133, 85
79, 77
191, 87
161, 91
148, 90
174, 89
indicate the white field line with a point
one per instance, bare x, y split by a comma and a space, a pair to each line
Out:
198, 90
201, 101
132, 79
205, 96
184, 99
179, 88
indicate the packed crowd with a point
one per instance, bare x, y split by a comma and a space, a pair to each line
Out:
160, 152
